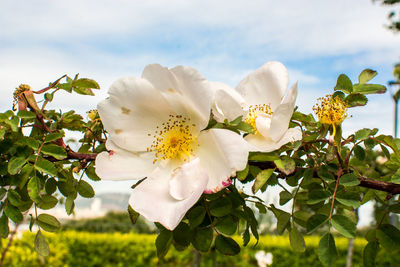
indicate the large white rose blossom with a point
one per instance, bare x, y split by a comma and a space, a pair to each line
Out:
262, 99
156, 130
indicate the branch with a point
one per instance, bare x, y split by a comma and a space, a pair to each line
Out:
81, 156
389, 187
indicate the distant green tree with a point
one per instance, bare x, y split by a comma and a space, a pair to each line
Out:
109, 223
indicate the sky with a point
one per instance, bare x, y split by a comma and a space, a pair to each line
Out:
41, 40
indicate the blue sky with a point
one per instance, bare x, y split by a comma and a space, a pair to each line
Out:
40, 40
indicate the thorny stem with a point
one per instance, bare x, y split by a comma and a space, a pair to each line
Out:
346, 161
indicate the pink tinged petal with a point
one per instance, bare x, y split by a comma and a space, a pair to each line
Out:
130, 114
258, 142
228, 103
222, 153
153, 200
187, 91
266, 85
183, 183
283, 114
120, 164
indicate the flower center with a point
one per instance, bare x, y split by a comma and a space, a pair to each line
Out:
254, 111
174, 139
331, 110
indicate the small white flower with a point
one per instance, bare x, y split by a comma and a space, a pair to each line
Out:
155, 126
263, 259
261, 98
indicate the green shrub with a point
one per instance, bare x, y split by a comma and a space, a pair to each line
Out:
116, 249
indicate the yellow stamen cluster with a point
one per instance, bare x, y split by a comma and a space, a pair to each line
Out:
174, 139
331, 110
254, 111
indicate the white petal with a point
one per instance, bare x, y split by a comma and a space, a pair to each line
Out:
186, 179
222, 153
258, 142
130, 113
263, 124
151, 198
265, 85
228, 103
120, 164
187, 91
282, 114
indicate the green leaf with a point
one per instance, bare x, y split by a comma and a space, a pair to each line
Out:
283, 222
32, 143
54, 151
220, 207
48, 96
389, 237
327, 250
34, 189
258, 156
50, 186
344, 226
245, 127
70, 205
284, 197
15, 165
261, 178
369, 89
13, 213
362, 134
133, 215
242, 175
316, 196
14, 197
41, 245
349, 179
297, 240
366, 75
85, 189
202, 239
396, 177
227, 225
4, 229
359, 152
356, 100
48, 222
285, 165
246, 236
53, 136
344, 84
315, 222
369, 254
25, 114
226, 245
46, 166
181, 234
47, 202
90, 172
13, 123
83, 91
324, 173
348, 198
86, 83
196, 216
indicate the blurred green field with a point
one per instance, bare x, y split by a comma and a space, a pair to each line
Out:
115, 249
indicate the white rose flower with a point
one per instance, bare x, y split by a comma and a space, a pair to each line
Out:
261, 98
156, 130
263, 259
